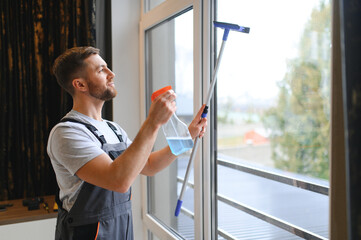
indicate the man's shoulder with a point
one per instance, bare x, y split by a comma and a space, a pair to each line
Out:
68, 129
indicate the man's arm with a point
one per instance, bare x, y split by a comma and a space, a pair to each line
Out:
161, 159
118, 175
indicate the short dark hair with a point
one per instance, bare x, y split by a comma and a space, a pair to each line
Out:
70, 65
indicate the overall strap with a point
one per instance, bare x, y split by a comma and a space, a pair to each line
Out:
96, 133
116, 131
100, 137
91, 128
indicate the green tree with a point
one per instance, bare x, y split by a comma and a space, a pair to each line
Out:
299, 124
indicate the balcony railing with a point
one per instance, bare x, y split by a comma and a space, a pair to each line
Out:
288, 180
307, 185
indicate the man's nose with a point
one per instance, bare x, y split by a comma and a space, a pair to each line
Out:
110, 73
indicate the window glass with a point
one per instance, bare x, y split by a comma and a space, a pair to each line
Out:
150, 4
273, 113
151, 236
169, 61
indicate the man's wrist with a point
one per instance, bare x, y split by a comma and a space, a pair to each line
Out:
152, 124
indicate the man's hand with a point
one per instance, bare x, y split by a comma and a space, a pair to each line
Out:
162, 108
198, 125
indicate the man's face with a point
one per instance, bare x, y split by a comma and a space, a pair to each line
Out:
100, 78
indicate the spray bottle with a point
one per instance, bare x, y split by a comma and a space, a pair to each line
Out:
175, 131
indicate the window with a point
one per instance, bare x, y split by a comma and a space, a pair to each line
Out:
266, 150
150, 4
169, 48
170, 56
273, 119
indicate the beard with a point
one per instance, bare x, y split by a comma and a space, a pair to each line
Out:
101, 94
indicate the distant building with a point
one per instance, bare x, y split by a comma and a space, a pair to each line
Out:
256, 137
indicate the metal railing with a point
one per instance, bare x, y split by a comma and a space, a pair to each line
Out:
299, 183
317, 188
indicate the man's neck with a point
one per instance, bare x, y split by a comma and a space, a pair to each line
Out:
91, 109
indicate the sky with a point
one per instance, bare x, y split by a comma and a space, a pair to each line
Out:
253, 63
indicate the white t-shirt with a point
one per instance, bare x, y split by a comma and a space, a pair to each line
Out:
71, 145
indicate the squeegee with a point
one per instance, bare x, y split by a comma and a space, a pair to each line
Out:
227, 27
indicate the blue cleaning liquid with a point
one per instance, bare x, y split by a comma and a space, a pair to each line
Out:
179, 145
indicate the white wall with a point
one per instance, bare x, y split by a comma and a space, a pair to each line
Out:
34, 230
126, 106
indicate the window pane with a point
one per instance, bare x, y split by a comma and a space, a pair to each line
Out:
150, 4
151, 236
273, 108
169, 60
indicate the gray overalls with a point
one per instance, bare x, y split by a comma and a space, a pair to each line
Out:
97, 213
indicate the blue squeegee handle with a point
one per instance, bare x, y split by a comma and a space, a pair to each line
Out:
227, 27
185, 181
195, 146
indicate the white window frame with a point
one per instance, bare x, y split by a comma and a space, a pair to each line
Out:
202, 74
205, 197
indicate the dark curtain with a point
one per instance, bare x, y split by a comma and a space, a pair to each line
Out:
33, 34
350, 17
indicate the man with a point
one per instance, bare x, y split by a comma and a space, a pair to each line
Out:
94, 160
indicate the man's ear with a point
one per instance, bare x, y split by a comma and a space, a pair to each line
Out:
79, 84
